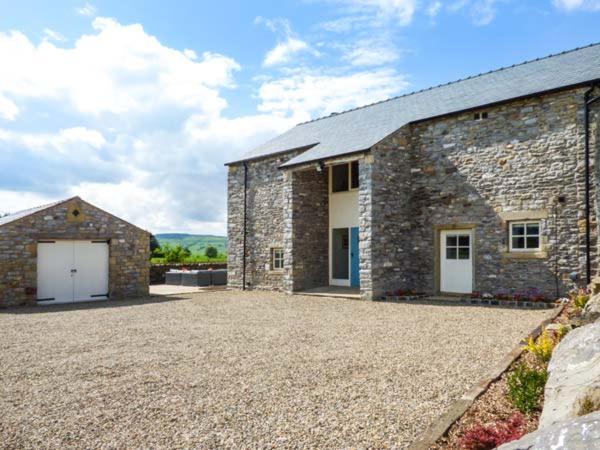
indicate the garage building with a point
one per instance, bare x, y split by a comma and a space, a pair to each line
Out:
71, 251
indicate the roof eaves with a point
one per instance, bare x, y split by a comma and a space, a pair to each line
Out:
285, 166
270, 155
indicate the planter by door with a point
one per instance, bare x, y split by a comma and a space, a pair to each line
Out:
456, 261
70, 271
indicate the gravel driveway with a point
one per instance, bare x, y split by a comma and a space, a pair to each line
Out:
231, 369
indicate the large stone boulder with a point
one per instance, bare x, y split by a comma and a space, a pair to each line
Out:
591, 312
573, 386
582, 433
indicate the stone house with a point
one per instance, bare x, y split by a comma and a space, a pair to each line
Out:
484, 184
71, 251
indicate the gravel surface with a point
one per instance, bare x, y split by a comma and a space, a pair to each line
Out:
231, 369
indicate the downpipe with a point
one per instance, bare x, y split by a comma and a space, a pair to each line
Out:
588, 102
245, 233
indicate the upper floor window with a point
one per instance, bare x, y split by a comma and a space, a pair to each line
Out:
480, 115
525, 236
344, 177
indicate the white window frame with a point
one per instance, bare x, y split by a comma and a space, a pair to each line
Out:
275, 259
511, 224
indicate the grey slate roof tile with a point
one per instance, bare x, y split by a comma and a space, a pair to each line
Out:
27, 212
361, 128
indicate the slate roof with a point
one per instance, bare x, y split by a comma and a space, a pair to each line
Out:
361, 128
27, 212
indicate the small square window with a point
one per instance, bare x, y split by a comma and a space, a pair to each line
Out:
276, 259
524, 236
463, 253
451, 241
451, 253
463, 241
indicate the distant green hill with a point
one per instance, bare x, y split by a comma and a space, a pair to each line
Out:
197, 243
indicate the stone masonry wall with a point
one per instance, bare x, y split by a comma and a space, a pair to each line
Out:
457, 171
265, 222
128, 250
306, 230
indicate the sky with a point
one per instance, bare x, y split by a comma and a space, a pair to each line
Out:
136, 105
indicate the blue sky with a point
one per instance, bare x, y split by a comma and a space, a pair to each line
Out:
136, 105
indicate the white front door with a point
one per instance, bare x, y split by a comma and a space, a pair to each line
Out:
456, 261
69, 271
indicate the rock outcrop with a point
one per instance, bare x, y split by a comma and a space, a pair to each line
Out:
582, 433
574, 376
591, 312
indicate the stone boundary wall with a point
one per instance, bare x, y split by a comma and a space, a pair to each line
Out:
157, 271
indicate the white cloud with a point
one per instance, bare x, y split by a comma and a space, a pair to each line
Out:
8, 109
119, 69
284, 51
370, 52
88, 10
54, 35
62, 142
482, 12
315, 94
134, 147
13, 201
434, 8
401, 11
571, 5
289, 44
142, 129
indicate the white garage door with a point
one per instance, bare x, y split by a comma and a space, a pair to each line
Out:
70, 271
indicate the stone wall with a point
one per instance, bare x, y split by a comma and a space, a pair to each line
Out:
457, 171
306, 230
128, 250
265, 221
157, 271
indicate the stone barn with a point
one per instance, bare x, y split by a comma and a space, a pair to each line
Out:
485, 185
70, 251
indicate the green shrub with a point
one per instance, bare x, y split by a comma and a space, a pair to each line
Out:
176, 254
211, 252
526, 387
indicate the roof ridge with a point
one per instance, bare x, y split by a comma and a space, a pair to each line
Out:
552, 55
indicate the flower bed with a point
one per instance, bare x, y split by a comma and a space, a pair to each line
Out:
511, 406
527, 299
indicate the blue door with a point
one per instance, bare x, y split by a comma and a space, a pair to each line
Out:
354, 261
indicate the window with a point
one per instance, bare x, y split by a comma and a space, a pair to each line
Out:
525, 236
458, 247
344, 177
276, 259
480, 115
339, 178
354, 175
